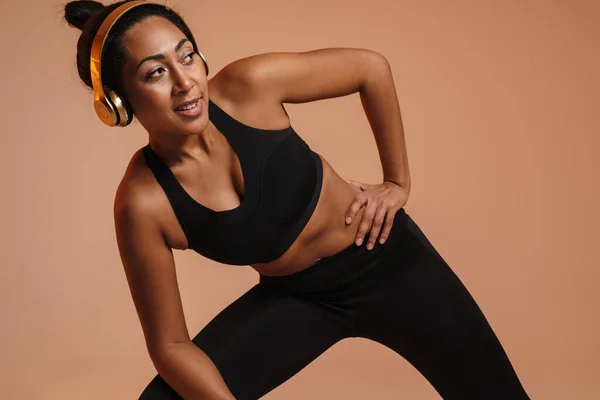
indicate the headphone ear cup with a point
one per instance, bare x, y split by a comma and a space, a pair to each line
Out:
122, 108
127, 109
105, 110
204, 61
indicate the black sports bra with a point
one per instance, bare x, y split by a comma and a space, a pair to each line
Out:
282, 178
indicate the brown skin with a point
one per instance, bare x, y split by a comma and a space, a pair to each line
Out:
251, 90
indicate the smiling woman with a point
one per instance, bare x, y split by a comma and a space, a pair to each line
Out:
225, 174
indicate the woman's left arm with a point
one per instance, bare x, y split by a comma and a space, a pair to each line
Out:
382, 201
286, 77
380, 102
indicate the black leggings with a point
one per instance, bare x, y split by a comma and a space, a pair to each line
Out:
401, 294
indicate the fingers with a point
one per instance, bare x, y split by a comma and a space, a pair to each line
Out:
376, 227
372, 221
387, 228
378, 217
359, 201
365, 223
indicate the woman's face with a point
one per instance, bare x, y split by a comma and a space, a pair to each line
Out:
161, 72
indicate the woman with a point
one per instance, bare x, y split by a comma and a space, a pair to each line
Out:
225, 174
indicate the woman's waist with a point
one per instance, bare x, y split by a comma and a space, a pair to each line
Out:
326, 232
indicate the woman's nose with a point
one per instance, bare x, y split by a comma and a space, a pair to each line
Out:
182, 81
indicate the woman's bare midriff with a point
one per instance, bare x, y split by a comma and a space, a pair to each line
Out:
326, 233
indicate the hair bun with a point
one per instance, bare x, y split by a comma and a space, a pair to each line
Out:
77, 13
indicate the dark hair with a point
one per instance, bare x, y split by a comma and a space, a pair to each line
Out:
88, 15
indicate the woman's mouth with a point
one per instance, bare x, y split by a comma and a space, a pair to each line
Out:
191, 110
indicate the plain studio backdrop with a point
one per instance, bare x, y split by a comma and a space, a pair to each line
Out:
500, 101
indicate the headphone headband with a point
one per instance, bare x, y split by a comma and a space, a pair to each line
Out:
104, 108
110, 108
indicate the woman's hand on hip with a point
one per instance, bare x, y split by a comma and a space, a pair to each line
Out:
382, 201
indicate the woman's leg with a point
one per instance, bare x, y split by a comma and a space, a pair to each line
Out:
261, 340
419, 308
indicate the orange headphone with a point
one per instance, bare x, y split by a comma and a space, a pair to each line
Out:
110, 108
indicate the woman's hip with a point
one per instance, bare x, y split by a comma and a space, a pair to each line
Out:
343, 268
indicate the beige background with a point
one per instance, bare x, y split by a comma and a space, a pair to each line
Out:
500, 101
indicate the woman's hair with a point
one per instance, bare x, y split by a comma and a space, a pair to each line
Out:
88, 15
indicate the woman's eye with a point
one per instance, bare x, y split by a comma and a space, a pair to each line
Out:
151, 74
190, 55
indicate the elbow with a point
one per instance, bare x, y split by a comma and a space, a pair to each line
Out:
376, 68
162, 354
376, 59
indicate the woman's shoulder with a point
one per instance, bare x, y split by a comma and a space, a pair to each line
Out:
233, 91
138, 189
140, 197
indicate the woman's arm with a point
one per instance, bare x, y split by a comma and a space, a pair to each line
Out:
380, 102
288, 77
190, 372
150, 271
